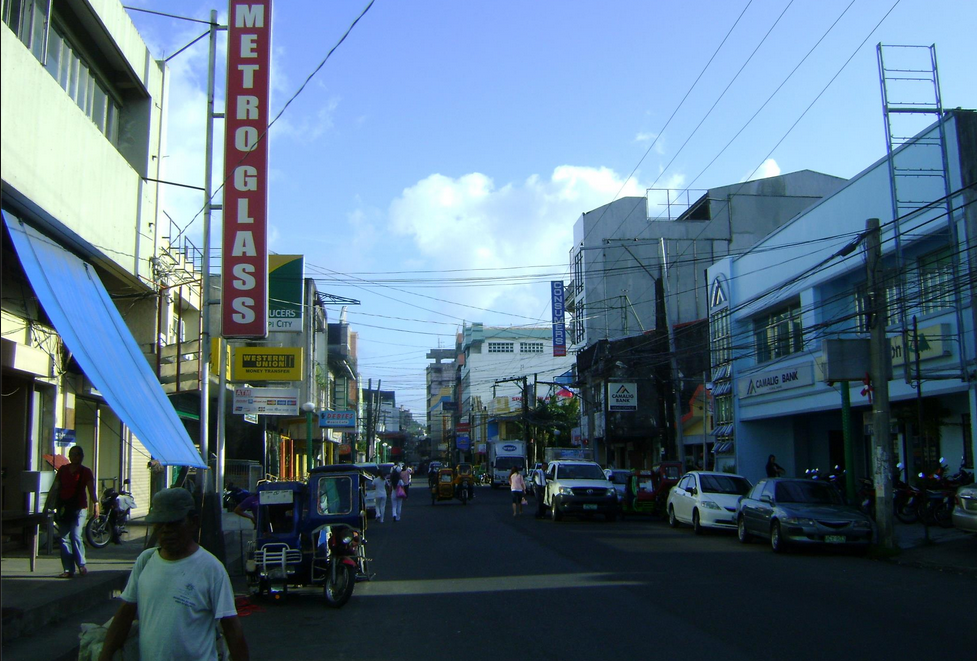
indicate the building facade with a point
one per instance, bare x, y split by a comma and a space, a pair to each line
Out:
773, 309
82, 125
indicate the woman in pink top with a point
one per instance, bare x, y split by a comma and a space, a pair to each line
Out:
518, 487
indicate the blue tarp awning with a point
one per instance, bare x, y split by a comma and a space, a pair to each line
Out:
82, 312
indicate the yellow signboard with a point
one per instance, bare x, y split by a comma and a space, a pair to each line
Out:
215, 356
931, 344
267, 364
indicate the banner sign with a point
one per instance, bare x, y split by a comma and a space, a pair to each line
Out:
286, 275
559, 329
64, 438
622, 396
244, 274
338, 419
267, 364
266, 401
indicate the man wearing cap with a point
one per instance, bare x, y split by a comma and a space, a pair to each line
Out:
179, 590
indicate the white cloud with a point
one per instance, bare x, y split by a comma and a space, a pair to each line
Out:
469, 222
768, 168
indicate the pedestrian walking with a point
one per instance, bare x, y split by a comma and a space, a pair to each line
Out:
397, 493
69, 497
405, 475
539, 486
380, 489
517, 485
180, 591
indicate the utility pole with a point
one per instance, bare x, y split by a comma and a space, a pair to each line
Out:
881, 442
369, 420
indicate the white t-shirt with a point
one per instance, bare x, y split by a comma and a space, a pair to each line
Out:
179, 603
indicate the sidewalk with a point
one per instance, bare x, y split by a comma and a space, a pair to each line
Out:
42, 614
948, 550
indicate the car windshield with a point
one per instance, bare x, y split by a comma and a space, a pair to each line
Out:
813, 493
619, 477
506, 463
724, 484
581, 472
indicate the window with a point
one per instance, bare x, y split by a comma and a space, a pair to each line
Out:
578, 272
577, 326
720, 339
778, 334
530, 347
935, 281
724, 410
335, 495
501, 347
29, 20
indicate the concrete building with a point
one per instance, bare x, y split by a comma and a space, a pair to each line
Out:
637, 270
773, 307
92, 297
497, 363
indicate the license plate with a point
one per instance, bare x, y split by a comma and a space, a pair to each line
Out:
835, 539
590, 507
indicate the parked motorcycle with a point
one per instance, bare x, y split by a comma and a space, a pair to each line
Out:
110, 524
233, 496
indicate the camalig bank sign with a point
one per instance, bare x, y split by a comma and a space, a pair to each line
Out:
267, 364
772, 381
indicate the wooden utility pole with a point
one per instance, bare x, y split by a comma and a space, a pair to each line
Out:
881, 436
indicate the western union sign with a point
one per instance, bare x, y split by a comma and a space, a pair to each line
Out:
267, 364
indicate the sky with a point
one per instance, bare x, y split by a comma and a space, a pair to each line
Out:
434, 166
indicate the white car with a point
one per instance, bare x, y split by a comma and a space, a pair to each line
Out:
706, 500
579, 487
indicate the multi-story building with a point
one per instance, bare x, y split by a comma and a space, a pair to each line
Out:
441, 378
635, 272
773, 308
90, 292
501, 366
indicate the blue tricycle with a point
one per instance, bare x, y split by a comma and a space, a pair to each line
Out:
311, 534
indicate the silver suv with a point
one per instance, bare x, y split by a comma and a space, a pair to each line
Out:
579, 487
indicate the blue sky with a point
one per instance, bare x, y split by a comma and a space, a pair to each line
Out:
453, 139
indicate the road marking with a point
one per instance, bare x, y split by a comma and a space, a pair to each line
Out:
379, 588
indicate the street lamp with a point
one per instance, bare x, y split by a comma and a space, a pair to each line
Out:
308, 407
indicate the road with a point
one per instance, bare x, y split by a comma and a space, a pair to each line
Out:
474, 582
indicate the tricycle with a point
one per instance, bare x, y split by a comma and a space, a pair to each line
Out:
448, 485
647, 490
311, 534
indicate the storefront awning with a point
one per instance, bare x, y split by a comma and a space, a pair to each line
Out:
91, 327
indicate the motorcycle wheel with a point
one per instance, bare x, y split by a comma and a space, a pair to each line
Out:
464, 496
907, 512
339, 584
944, 514
98, 532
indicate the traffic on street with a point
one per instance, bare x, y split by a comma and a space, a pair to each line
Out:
472, 581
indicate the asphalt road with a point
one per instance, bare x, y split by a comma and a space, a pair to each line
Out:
474, 582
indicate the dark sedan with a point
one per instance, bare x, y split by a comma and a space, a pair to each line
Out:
796, 511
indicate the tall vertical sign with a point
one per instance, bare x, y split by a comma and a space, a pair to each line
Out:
244, 272
286, 289
559, 329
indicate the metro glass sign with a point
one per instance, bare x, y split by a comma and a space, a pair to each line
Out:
244, 276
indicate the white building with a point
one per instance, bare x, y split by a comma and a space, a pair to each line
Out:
496, 362
89, 291
773, 308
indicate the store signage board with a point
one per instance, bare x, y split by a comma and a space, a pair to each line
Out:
286, 278
559, 328
266, 401
267, 364
338, 419
244, 272
771, 381
622, 396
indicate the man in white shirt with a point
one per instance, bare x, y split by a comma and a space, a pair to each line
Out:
179, 590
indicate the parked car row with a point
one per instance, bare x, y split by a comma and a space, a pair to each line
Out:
784, 511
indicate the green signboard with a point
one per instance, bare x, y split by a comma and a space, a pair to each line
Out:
286, 276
